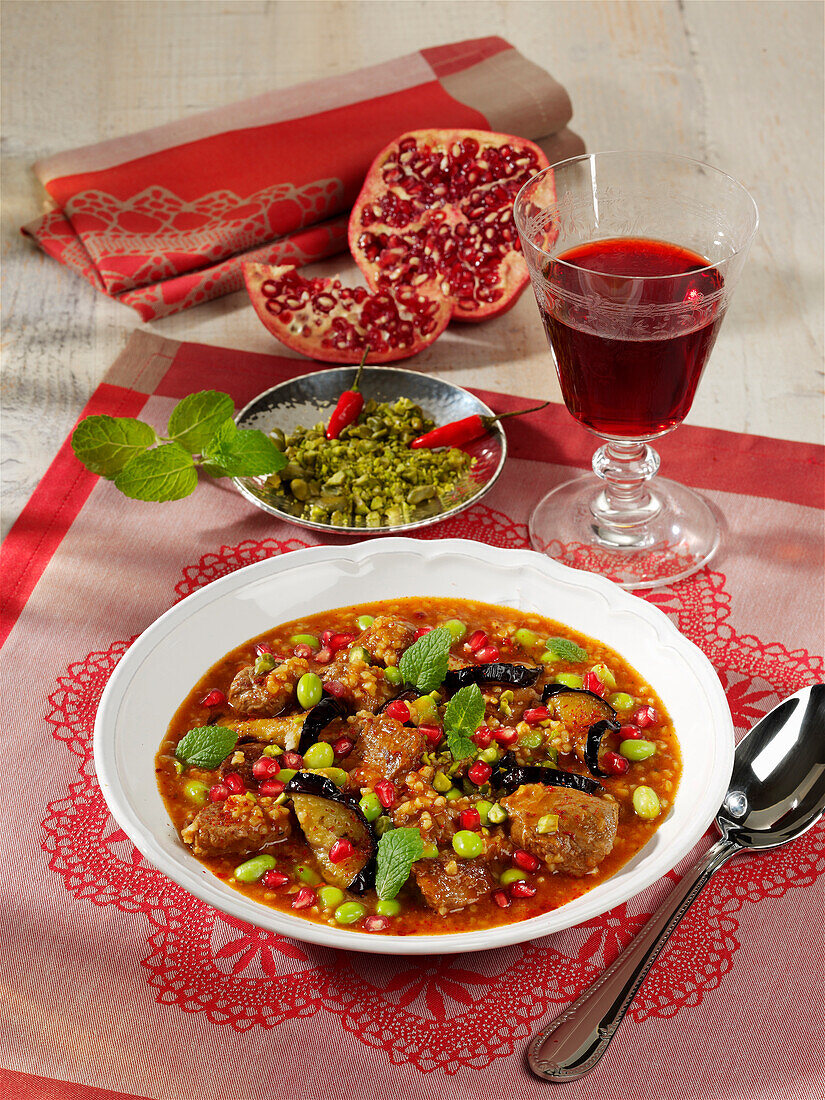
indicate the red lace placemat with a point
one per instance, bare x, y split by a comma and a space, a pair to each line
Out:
117, 979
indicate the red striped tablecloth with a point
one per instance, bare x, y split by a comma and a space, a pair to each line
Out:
118, 983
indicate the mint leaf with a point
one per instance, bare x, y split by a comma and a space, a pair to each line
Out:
104, 444
196, 418
424, 664
206, 746
241, 452
566, 650
398, 850
462, 716
164, 473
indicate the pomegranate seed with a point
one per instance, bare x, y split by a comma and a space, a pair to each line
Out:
265, 767
302, 650
592, 683
385, 789
644, 717
271, 788
480, 772
488, 655
340, 641
614, 764
292, 760
522, 890
234, 782
375, 923
218, 793
501, 899
422, 630
263, 647
343, 746
470, 819
398, 710
342, 849
536, 714
482, 737
273, 879
335, 688
215, 698
304, 898
477, 641
323, 656
506, 735
525, 860
630, 733
326, 637
432, 733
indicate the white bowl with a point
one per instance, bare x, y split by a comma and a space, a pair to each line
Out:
157, 671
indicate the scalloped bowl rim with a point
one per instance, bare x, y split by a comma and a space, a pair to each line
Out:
177, 648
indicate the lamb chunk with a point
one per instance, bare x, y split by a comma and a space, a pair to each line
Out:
365, 687
241, 760
266, 695
448, 884
384, 749
386, 639
238, 826
586, 826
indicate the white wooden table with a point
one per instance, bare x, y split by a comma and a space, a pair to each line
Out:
738, 84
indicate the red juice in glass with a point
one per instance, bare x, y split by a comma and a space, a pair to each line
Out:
626, 369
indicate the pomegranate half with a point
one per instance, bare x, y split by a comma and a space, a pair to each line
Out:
437, 206
337, 324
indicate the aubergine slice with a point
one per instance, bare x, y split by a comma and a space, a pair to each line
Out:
588, 717
509, 774
495, 673
284, 732
326, 814
318, 719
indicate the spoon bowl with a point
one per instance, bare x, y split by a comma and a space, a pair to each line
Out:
776, 793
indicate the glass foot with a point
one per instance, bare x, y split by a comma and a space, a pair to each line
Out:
673, 535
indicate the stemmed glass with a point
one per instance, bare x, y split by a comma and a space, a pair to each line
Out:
633, 259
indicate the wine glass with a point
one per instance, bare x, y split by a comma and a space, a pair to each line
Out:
633, 258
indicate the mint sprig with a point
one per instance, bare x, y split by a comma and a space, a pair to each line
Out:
206, 746
566, 650
201, 433
398, 850
462, 716
424, 664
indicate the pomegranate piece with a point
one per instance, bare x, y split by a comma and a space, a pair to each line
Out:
215, 698
437, 207
337, 324
385, 789
342, 849
234, 782
479, 773
273, 880
265, 767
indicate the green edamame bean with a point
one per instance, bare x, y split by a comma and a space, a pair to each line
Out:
196, 792
430, 851
254, 868
452, 794
457, 628
306, 874
569, 679
330, 897
382, 825
309, 690
393, 674
620, 700
646, 803
484, 807
605, 675
337, 775
364, 621
370, 806
467, 844
511, 875
285, 774
527, 639
319, 755
637, 749
388, 907
305, 639
490, 755
349, 912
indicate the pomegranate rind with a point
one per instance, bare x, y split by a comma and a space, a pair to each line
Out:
325, 320
434, 221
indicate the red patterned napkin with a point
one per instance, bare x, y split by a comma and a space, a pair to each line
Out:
162, 219
119, 979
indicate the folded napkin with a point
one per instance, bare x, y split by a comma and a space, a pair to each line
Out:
162, 219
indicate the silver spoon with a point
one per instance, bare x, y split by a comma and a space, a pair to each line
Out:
776, 793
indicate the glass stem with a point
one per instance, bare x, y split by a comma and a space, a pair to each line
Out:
625, 504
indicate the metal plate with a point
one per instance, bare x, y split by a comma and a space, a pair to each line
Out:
306, 400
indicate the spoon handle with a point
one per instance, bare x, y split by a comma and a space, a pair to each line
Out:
575, 1041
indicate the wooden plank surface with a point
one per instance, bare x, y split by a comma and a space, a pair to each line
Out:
737, 84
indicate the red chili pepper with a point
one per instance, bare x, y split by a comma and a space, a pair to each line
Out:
349, 406
463, 431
